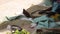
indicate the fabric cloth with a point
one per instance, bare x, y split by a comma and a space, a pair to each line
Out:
55, 6
21, 32
44, 22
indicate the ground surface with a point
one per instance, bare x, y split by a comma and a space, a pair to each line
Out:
23, 23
